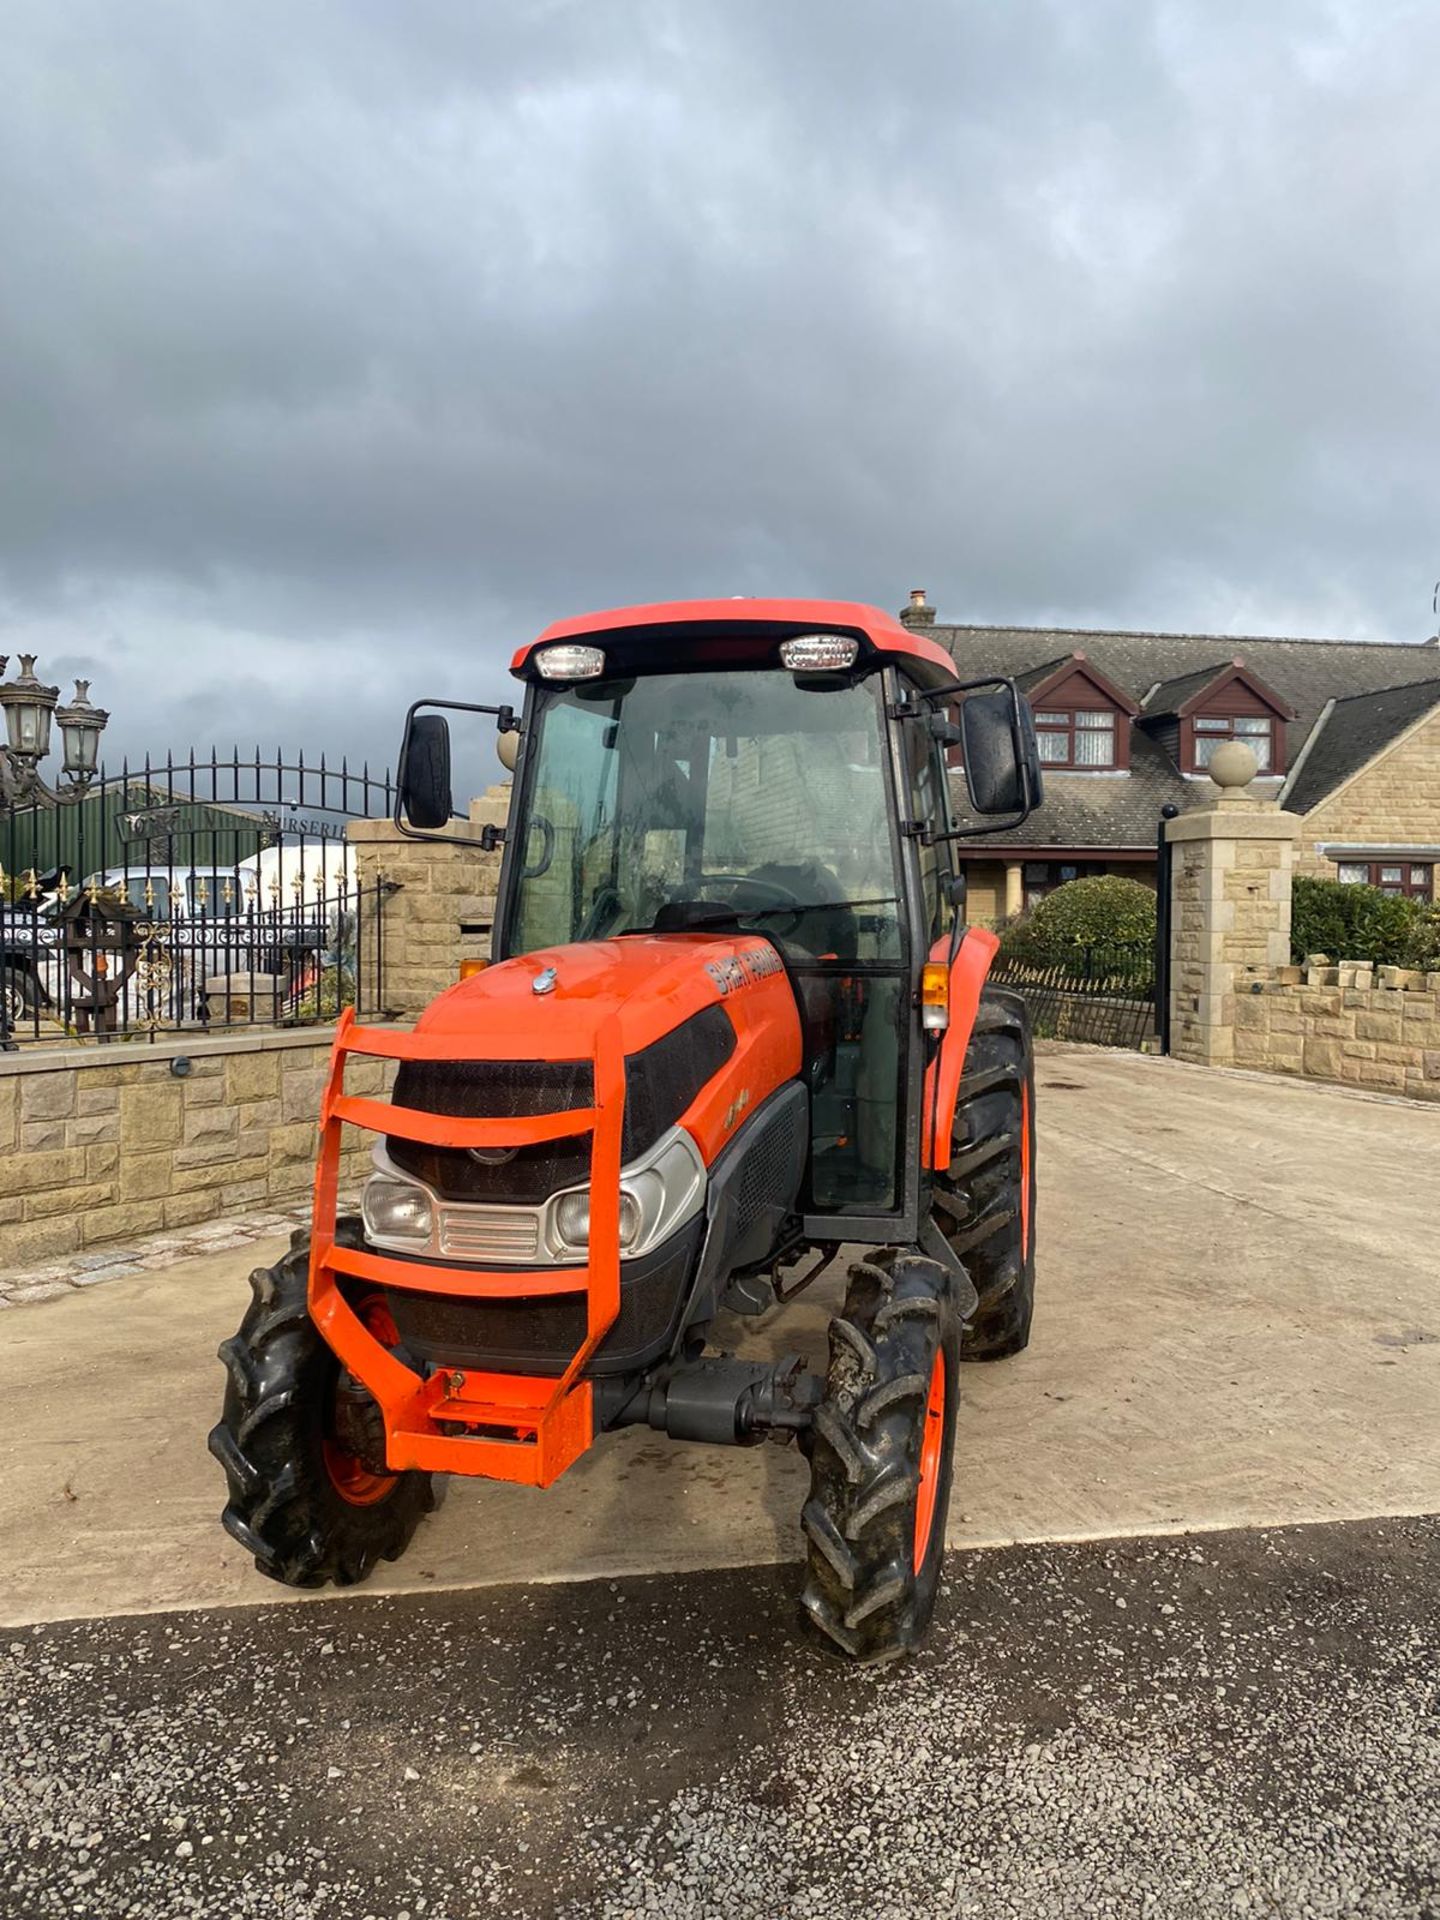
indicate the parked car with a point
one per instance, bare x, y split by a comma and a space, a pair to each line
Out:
29, 961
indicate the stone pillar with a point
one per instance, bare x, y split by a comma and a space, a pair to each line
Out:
1014, 889
441, 912
1230, 906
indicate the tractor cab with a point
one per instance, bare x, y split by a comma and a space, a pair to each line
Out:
766, 769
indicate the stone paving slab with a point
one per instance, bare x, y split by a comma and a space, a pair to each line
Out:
151, 1254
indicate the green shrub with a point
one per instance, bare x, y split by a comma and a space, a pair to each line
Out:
1107, 912
1358, 923
1425, 941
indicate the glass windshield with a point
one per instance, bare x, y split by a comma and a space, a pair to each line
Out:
681, 801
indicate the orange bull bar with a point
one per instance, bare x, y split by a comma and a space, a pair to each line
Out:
518, 1427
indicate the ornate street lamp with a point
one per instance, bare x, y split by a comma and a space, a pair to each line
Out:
81, 725
29, 707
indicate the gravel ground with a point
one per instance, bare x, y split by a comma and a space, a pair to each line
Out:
1241, 1723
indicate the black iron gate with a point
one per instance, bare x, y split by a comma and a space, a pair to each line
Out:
194, 894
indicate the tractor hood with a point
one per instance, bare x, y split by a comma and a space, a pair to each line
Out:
550, 1004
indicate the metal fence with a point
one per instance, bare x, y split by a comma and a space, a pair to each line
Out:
1103, 996
190, 895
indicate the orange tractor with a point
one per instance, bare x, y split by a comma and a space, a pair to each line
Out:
735, 1022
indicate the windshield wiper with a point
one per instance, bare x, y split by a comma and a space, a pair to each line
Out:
817, 906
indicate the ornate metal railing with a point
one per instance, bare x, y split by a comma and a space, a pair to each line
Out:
192, 895
1102, 996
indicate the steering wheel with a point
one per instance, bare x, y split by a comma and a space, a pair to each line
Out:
765, 895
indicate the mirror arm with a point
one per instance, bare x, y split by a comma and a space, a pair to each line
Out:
506, 718
952, 687
976, 833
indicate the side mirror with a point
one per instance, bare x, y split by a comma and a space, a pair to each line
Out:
1001, 753
424, 777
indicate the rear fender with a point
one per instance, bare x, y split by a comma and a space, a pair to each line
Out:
968, 973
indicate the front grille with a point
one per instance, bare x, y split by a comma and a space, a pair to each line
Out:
499, 1090
660, 1083
489, 1233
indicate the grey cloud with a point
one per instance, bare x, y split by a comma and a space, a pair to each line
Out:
342, 346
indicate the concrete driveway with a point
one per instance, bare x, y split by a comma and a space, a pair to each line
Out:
1238, 1325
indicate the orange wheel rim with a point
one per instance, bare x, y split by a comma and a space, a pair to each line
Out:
349, 1475
1025, 1151
932, 1444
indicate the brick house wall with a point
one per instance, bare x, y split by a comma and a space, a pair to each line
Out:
1394, 801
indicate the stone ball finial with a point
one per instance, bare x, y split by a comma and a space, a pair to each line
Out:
1232, 765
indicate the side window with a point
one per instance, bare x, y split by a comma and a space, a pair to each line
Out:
927, 803
571, 855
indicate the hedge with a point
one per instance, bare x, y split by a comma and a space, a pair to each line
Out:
1362, 923
1105, 912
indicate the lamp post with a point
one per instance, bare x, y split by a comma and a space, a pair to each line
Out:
30, 707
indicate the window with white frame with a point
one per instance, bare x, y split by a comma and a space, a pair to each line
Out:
1256, 731
1076, 738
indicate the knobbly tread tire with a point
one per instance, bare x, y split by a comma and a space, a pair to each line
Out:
978, 1197
283, 1507
862, 1591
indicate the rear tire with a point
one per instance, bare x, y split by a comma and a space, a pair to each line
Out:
985, 1199
880, 1458
309, 1507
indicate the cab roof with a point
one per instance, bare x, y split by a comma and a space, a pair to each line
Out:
688, 627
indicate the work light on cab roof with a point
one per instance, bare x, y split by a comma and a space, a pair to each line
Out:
733, 1020
569, 662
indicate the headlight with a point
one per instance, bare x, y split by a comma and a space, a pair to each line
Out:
396, 1209
657, 1196
572, 1220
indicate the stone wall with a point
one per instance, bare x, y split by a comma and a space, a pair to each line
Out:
1351, 1024
1393, 802
442, 887
99, 1144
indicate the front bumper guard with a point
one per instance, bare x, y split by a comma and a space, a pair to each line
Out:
515, 1427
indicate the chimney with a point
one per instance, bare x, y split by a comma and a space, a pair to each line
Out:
919, 613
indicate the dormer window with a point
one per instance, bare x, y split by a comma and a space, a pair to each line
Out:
1255, 731
1195, 713
1076, 738
1082, 719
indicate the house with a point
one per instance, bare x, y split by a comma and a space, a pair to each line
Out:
1346, 734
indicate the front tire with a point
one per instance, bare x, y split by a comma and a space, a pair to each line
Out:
985, 1199
301, 1444
880, 1458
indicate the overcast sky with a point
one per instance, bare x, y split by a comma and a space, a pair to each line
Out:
344, 345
